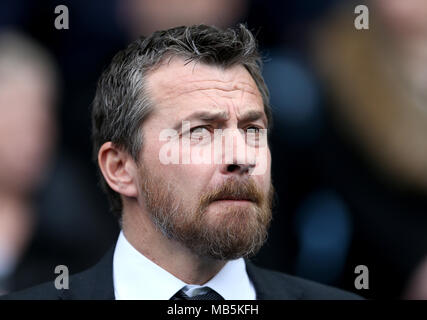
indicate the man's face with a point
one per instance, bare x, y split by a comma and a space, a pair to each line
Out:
405, 19
215, 209
27, 128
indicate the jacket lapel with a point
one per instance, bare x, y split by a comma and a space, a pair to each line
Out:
270, 285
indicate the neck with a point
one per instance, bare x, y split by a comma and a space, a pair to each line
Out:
169, 254
11, 202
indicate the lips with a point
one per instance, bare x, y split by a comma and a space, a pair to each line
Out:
235, 198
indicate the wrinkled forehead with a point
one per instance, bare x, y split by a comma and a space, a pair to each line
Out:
177, 83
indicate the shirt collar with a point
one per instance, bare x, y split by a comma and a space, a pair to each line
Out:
232, 282
136, 277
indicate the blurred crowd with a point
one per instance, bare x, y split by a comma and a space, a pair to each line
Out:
348, 142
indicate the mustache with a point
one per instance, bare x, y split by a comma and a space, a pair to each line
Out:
234, 189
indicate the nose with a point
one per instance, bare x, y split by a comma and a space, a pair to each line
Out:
239, 169
235, 158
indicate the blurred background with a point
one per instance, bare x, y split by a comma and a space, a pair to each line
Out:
349, 140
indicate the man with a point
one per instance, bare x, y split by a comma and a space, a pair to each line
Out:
191, 204
27, 143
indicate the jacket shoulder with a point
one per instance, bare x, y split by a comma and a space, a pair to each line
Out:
273, 285
93, 283
44, 291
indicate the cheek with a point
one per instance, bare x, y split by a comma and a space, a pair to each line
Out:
191, 179
188, 180
262, 170
266, 178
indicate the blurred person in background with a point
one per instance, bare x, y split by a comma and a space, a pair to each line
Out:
376, 85
44, 192
143, 17
27, 138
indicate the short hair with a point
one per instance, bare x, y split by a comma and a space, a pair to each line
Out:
121, 102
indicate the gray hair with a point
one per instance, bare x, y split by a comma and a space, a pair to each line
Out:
121, 102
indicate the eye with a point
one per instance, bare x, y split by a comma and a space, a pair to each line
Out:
200, 132
253, 129
255, 136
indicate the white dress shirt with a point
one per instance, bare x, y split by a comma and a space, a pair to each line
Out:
135, 277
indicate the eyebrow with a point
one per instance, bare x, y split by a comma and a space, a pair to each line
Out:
209, 116
254, 115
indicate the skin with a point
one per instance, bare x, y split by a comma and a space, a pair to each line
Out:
26, 121
405, 20
143, 17
27, 138
178, 90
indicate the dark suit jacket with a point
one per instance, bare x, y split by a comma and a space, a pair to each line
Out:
97, 283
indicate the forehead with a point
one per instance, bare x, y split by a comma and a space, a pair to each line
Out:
180, 87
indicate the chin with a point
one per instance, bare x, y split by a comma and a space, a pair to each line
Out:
228, 209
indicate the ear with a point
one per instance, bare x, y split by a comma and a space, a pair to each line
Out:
118, 169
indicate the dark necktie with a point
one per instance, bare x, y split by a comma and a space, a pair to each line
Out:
208, 295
